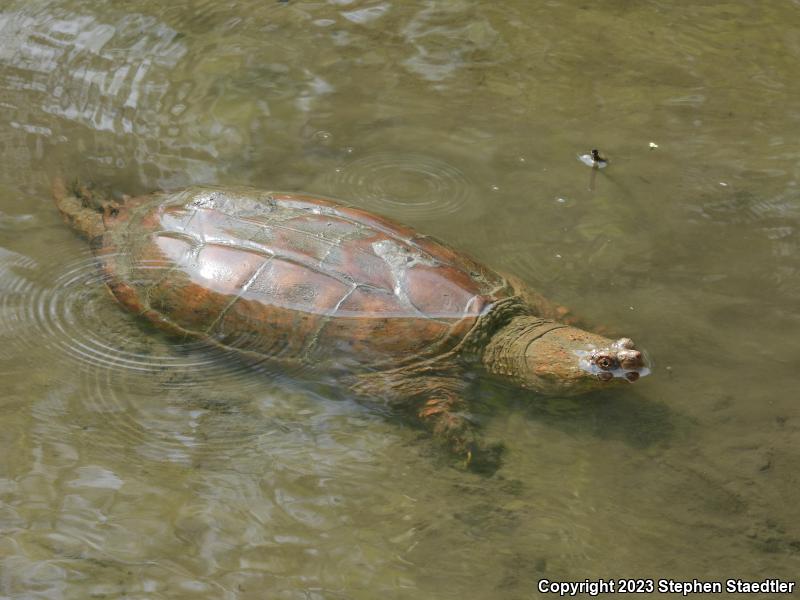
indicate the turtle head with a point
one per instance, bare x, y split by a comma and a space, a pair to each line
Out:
558, 360
568, 361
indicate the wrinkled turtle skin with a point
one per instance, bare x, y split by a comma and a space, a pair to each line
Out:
298, 279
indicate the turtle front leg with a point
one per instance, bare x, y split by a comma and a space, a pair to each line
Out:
437, 401
446, 417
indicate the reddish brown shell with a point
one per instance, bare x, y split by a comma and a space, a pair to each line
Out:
293, 276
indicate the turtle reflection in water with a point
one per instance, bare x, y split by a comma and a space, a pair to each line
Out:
296, 279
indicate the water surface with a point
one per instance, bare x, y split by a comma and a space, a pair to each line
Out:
137, 465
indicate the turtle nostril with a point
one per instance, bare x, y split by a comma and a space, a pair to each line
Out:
630, 359
605, 376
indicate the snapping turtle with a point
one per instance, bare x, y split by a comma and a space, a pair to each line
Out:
299, 279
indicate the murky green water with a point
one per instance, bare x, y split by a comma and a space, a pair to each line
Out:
134, 466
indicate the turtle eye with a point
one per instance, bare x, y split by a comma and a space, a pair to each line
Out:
605, 362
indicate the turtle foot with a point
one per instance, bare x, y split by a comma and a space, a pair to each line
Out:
73, 204
484, 459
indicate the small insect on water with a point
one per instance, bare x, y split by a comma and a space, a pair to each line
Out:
594, 159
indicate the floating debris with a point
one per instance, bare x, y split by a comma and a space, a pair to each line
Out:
8, 221
653, 145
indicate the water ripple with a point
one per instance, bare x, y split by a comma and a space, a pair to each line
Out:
124, 415
67, 307
403, 185
133, 390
